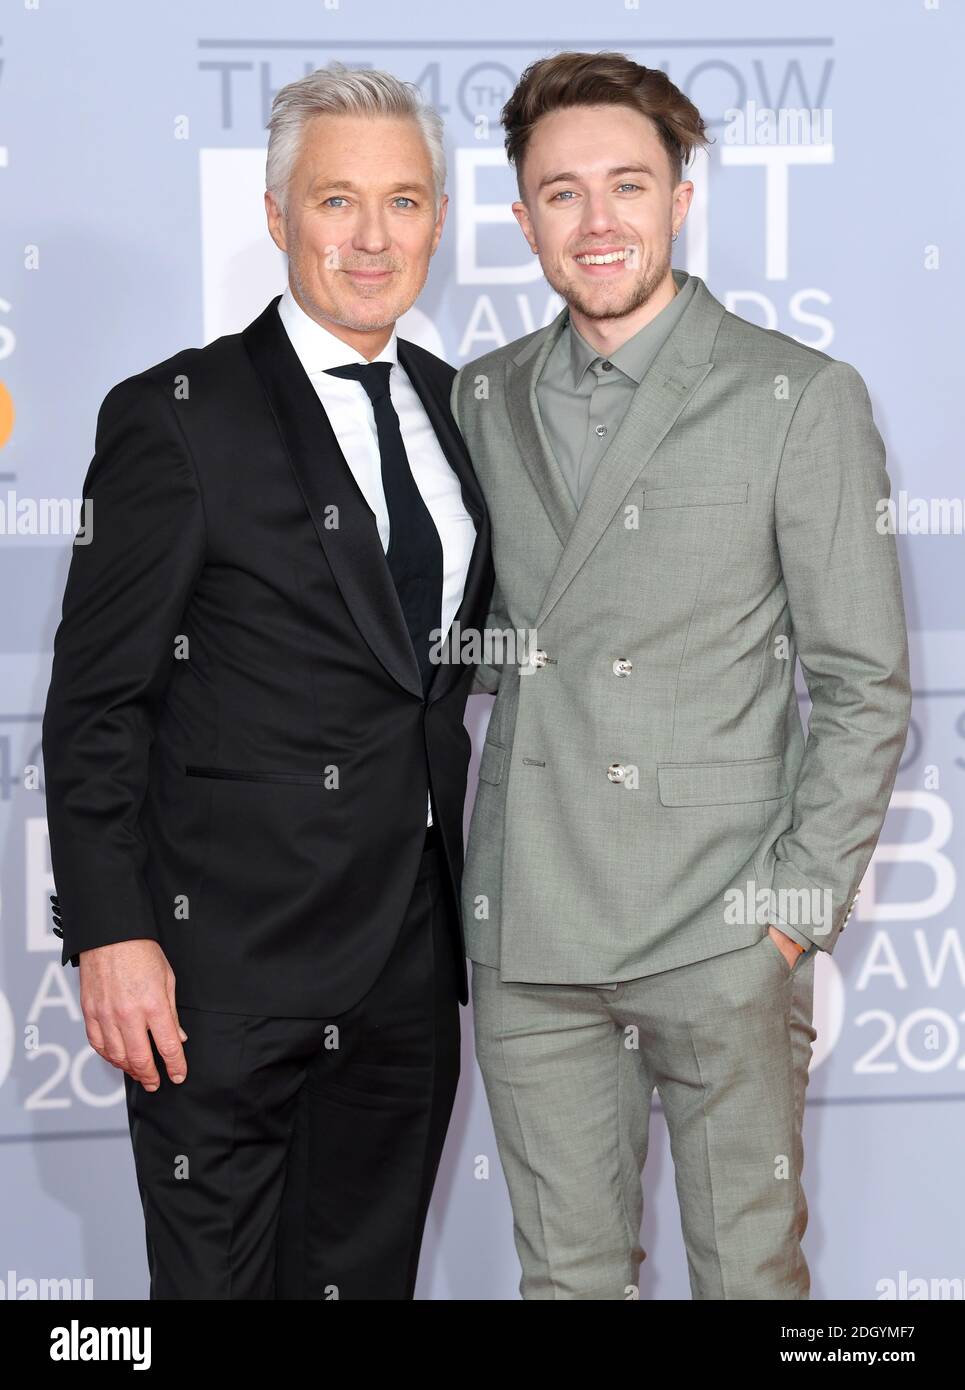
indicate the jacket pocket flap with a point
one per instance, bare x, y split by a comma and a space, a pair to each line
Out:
491, 763
237, 774
715, 784
694, 496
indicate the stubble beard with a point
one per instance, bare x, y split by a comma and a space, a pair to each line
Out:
601, 307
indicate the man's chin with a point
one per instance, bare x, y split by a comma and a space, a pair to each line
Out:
597, 301
369, 323
368, 316
607, 306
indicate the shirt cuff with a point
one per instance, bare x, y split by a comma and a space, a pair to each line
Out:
809, 946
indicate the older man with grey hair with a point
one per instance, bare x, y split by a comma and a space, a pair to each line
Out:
254, 745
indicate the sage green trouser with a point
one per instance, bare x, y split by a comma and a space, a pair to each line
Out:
569, 1073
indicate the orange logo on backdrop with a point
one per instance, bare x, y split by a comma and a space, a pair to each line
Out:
6, 415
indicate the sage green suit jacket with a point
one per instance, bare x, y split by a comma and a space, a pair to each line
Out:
647, 797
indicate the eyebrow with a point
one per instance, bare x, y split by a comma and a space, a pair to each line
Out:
569, 177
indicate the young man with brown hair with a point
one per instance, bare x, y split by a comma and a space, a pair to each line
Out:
682, 504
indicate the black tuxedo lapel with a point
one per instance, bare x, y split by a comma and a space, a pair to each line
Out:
353, 550
432, 385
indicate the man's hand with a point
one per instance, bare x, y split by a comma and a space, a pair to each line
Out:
126, 989
789, 949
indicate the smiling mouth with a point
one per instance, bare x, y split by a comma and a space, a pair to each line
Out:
609, 258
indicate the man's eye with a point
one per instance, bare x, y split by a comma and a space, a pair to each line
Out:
563, 193
335, 198
403, 199
629, 185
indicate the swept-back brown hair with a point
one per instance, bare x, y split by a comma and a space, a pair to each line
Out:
602, 79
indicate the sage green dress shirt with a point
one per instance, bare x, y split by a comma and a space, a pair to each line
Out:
583, 397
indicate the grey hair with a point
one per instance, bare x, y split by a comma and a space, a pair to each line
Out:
340, 91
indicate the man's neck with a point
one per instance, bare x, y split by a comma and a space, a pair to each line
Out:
606, 335
368, 341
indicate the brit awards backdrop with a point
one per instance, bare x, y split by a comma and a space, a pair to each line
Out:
829, 207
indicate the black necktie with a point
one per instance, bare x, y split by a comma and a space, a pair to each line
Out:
414, 555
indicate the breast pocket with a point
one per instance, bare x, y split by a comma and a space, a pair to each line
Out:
693, 522
717, 495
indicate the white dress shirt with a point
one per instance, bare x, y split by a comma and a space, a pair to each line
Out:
350, 412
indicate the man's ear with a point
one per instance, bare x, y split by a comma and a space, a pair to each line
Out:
521, 213
682, 198
440, 222
276, 222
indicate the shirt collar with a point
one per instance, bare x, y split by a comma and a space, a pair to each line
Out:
317, 347
635, 355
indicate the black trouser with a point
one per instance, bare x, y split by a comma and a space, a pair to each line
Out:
298, 1157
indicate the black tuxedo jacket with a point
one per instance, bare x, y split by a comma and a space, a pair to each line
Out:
236, 744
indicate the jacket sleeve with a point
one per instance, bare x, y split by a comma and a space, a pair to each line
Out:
840, 567
485, 679
127, 589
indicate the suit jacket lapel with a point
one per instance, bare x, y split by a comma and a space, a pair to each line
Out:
531, 440
353, 548
674, 376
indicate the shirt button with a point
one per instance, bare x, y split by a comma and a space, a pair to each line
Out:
616, 772
601, 430
622, 666
607, 366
